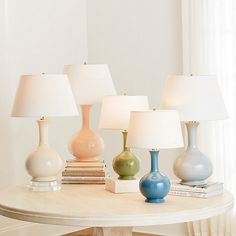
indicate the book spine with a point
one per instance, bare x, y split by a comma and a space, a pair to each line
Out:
188, 194
79, 182
84, 169
82, 178
87, 173
83, 182
85, 165
77, 161
192, 190
196, 189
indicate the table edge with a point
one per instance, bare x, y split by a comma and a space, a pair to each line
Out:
131, 220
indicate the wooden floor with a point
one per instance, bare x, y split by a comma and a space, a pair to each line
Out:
88, 232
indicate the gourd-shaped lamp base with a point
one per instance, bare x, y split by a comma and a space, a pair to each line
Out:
192, 166
126, 164
44, 164
154, 186
86, 145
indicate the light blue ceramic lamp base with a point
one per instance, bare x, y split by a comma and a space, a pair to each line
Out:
192, 166
154, 186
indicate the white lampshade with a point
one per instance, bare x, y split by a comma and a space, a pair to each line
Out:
90, 83
195, 97
115, 113
44, 95
159, 129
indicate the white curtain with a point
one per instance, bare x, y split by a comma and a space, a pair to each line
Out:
215, 226
209, 47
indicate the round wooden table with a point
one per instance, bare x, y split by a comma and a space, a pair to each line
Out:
111, 214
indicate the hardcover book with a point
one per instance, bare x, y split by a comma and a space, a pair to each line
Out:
199, 191
196, 194
206, 188
84, 172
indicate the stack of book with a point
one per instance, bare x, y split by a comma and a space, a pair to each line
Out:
199, 191
84, 172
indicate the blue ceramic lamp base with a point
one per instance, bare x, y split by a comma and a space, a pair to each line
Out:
154, 186
155, 200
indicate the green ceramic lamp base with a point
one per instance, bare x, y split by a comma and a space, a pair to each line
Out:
126, 177
126, 164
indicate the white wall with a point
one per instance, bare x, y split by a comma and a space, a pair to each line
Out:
141, 42
35, 36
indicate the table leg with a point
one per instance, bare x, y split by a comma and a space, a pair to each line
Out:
112, 231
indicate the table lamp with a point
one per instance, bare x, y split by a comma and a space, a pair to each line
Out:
115, 114
154, 130
197, 98
89, 82
44, 96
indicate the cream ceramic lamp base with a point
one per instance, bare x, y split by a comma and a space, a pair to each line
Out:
86, 145
44, 164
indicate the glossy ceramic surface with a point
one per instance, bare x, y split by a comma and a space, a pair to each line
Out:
126, 164
192, 166
154, 186
86, 145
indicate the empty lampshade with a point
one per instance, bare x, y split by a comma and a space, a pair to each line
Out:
115, 113
44, 95
159, 129
90, 82
195, 97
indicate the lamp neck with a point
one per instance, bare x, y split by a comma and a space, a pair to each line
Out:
86, 115
192, 134
43, 132
154, 160
125, 133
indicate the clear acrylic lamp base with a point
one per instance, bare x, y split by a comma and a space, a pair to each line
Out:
43, 186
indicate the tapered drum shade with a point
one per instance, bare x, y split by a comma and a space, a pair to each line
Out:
44, 95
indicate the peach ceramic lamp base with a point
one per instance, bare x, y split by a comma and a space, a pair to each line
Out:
86, 145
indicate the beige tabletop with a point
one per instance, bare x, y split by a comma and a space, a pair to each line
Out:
92, 206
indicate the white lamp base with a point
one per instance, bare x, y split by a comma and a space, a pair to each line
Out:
43, 186
122, 186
